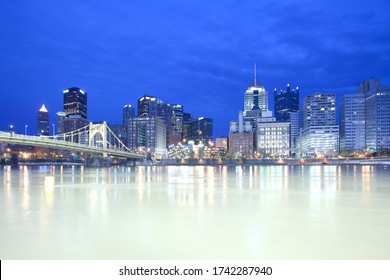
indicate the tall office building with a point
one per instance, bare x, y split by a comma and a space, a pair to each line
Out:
295, 126
365, 117
120, 132
73, 123
60, 123
147, 134
186, 125
147, 106
127, 112
177, 117
205, 134
164, 112
318, 141
352, 122
319, 109
75, 110
378, 118
320, 134
368, 85
75, 102
255, 97
43, 122
286, 102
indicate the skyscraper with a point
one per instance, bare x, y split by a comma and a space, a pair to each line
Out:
177, 117
127, 112
320, 134
378, 118
352, 122
255, 97
319, 109
205, 130
186, 125
75, 102
164, 112
43, 121
60, 123
147, 106
148, 134
295, 126
365, 117
286, 102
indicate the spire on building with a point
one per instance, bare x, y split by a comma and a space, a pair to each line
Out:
256, 82
43, 108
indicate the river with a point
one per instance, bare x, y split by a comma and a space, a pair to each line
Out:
195, 212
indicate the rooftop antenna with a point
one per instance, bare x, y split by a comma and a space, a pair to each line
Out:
255, 75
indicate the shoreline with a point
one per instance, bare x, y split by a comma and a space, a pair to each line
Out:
230, 162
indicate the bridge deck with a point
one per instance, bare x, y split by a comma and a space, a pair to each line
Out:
38, 141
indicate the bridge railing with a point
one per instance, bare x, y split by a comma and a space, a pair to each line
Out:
61, 144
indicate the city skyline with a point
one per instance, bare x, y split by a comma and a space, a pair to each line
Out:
197, 55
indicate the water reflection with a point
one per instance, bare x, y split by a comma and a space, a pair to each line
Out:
260, 211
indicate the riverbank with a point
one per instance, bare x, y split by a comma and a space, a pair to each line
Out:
225, 162
263, 161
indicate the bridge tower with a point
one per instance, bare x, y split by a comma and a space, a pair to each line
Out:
100, 128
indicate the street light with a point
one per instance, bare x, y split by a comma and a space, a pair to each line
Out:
25, 129
54, 128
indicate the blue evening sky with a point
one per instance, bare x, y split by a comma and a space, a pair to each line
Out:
196, 53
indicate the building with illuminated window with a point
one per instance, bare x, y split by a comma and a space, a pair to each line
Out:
318, 141
352, 122
295, 126
75, 111
378, 118
177, 118
286, 102
273, 138
255, 97
222, 142
241, 144
320, 134
127, 112
147, 106
365, 118
60, 124
75, 102
43, 122
319, 109
147, 134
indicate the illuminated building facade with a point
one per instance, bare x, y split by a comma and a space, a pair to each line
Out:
318, 141
320, 134
319, 109
147, 106
273, 139
147, 134
255, 97
352, 122
286, 102
378, 118
43, 122
241, 144
75, 102
177, 118
127, 112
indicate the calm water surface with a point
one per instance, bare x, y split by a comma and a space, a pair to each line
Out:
195, 212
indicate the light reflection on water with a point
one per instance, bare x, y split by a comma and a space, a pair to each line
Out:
195, 212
